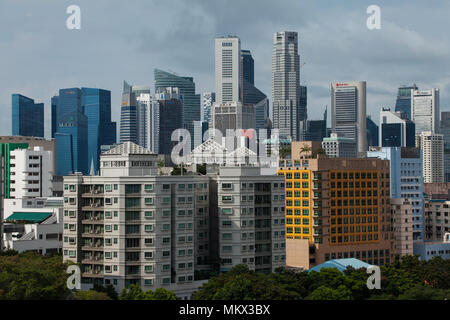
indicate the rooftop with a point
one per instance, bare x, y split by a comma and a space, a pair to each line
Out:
341, 264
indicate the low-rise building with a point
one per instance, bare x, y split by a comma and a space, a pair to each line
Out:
339, 147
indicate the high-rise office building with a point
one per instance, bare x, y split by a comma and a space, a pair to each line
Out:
170, 117
27, 117
96, 105
425, 110
208, 99
348, 112
406, 181
396, 130
144, 102
316, 130
252, 95
186, 89
432, 147
54, 110
72, 144
233, 116
445, 131
128, 115
339, 207
288, 110
372, 132
228, 69
403, 102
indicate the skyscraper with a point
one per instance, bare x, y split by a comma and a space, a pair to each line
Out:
72, 144
445, 131
403, 103
288, 111
432, 146
54, 110
208, 99
396, 130
250, 94
228, 71
425, 110
96, 104
143, 106
186, 88
27, 117
128, 115
170, 117
69, 100
372, 132
348, 112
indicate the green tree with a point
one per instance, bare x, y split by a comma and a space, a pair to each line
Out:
177, 170
91, 295
421, 292
326, 293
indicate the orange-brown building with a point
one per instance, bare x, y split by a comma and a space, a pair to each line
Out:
341, 206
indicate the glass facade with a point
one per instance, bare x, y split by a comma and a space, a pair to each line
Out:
372, 133
27, 117
403, 103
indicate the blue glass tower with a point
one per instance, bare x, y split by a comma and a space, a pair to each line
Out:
54, 104
96, 104
27, 117
69, 101
72, 143
403, 102
372, 133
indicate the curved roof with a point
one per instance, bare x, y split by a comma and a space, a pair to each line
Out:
127, 148
341, 264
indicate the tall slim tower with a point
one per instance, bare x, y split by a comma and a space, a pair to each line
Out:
288, 111
128, 115
425, 110
348, 112
27, 117
228, 69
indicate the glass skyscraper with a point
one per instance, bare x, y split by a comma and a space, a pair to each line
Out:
403, 103
128, 115
72, 143
27, 117
191, 101
372, 133
95, 105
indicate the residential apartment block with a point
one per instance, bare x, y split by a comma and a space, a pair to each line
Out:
131, 225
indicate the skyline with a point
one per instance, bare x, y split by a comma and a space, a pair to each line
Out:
38, 47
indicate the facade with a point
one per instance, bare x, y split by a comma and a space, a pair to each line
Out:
316, 130
128, 115
233, 115
143, 109
31, 173
288, 111
339, 147
248, 66
429, 250
445, 131
69, 100
432, 147
396, 130
406, 181
34, 224
402, 223
131, 225
54, 108
27, 117
425, 110
72, 144
341, 206
437, 219
348, 112
228, 69
372, 132
170, 115
208, 99
191, 100
403, 102
96, 104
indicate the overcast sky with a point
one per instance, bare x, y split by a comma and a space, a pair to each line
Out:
125, 40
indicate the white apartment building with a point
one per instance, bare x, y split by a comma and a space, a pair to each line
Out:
402, 215
33, 224
339, 147
432, 147
228, 70
132, 225
425, 110
31, 173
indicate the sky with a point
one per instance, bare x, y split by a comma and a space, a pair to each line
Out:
126, 40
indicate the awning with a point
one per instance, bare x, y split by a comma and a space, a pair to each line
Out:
32, 217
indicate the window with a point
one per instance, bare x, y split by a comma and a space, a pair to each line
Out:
148, 214
148, 187
148, 227
226, 186
148, 282
148, 255
148, 241
148, 201
227, 210
148, 269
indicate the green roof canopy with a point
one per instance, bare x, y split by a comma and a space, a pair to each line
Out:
34, 217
